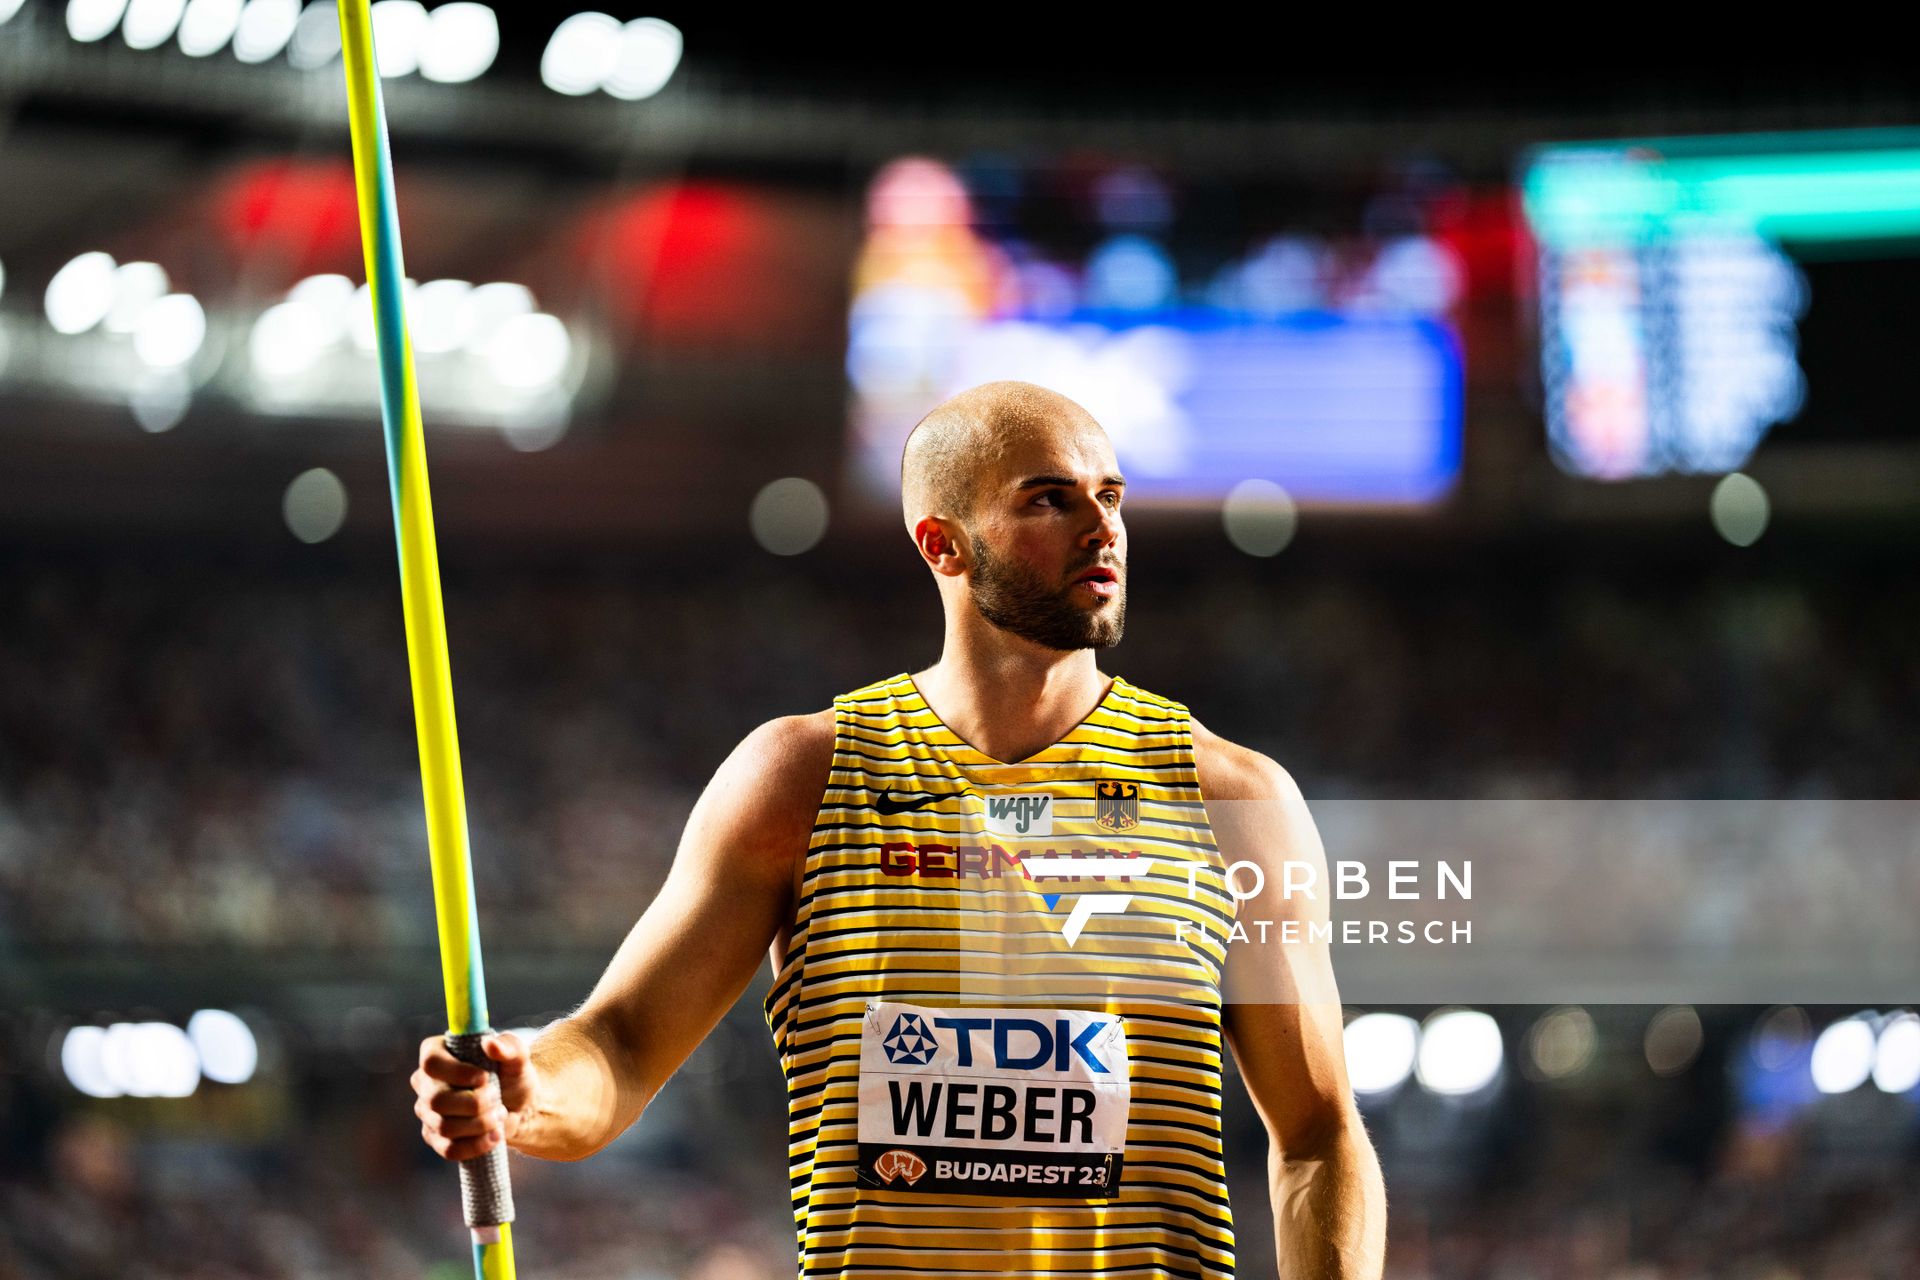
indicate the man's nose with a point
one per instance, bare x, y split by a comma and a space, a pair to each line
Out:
1106, 527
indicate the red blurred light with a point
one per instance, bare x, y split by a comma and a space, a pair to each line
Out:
301, 211
703, 264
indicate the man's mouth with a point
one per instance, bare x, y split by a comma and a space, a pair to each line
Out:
1102, 581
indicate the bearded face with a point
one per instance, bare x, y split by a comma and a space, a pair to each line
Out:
1056, 615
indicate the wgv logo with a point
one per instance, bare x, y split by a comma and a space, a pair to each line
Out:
1027, 1044
1028, 813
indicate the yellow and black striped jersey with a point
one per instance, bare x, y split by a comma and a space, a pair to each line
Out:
999, 1015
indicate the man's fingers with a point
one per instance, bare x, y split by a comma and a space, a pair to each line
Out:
508, 1050
461, 1115
465, 1148
461, 1102
466, 1126
441, 1065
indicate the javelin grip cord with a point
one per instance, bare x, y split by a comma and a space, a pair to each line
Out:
486, 1192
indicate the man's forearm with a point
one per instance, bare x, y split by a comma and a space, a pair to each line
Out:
1330, 1208
584, 1097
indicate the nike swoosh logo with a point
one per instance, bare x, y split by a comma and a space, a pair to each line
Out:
888, 803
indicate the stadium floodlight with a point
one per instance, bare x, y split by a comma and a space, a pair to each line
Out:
288, 338
316, 37
530, 352
649, 54
91, 20
399, 27
136, 286
1843, 1055
170, 332
442, 316
229, 1054
1460, 1052
1380, 1052
207, 25
81, 1052
152, 1059
80, 293
332, 297
8, 8
494, 304
582, 52
265, 27
462, 41
1896, 1058
151, 23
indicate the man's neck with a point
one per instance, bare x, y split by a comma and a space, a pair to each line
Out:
1009, 698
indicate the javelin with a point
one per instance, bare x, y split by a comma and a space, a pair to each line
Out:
484, 1191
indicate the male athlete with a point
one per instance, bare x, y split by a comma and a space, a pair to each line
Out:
1008, 938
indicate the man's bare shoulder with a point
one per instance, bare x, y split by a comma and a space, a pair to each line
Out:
786, 758
1229, 771
766, 794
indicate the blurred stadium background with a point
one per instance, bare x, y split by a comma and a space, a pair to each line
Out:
1483, 451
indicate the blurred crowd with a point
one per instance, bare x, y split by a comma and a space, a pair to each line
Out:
225, 756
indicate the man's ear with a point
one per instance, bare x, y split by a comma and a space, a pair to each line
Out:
943, 545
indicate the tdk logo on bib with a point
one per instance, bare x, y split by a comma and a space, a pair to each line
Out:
1018, 1044
910, 1041
1020, 814
994, 1102
1026, 1044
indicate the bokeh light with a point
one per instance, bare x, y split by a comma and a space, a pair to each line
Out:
170, 331
90, 20
462, 41
1780, 1036
1562, 1042
788, 516
650, 51
229, 1054
1673, 1040
1461, 1051
159, 400
316, 37
581, 54
1260, 517
529, 352
265, 28
207, 25
1896, 1056
1739, 509
399, 27
315, 505
151, 23
80, 293
136, 286
1380, 1051
1843, 1056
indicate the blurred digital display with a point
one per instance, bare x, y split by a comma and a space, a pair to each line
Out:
1696, 294
1214, 349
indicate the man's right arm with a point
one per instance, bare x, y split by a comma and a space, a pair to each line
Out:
590, 1075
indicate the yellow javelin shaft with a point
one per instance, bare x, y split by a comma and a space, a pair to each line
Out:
483, 1181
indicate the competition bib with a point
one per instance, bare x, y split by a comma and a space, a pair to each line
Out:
996, 1102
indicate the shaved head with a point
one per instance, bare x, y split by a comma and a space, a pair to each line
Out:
1012, 494
961, 442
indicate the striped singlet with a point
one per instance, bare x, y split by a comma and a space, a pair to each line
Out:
975, 1086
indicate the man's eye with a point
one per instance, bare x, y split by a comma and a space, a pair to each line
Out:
1111, 499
